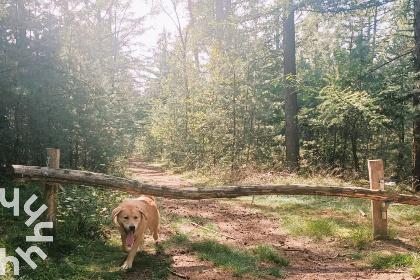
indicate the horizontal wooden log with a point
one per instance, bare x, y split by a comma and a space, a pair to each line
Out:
45, 174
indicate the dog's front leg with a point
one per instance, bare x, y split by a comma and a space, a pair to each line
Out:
138, 243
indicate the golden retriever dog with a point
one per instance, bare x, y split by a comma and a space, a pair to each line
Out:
133, 218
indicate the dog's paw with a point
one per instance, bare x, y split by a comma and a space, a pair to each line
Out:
126, 266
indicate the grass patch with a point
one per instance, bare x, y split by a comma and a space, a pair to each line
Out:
150, 266
76, 259
316, 229
380, 261
178, 239
241, 262
319, 217
355, 235
315, 206
269, 254
178, 223
360, 237
222, 255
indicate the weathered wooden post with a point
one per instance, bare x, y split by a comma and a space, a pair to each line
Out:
379, 208
50, 193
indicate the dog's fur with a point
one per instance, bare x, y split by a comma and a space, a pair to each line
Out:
136, 215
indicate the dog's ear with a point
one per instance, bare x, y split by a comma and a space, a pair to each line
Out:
142, 213
115, 213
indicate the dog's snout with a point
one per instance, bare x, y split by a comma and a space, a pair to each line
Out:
132, 228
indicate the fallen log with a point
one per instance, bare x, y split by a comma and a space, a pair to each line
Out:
45, 174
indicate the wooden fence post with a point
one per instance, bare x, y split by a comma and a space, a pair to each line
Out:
379, 208
50, 193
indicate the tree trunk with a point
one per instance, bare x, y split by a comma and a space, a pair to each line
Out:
17, 145
334, 151
291, 110
375, 29
219, 19
354, 137
44, 174
345, 135
234, 144
354, 153
277, 24
416, 99
193, 23
400, 157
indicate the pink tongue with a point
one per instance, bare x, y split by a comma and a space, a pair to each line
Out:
130, 238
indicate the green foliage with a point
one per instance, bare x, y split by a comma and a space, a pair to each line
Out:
67, 83
85, 210
211, 95
221, 105
219, 116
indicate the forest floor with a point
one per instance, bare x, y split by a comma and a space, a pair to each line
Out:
323, 259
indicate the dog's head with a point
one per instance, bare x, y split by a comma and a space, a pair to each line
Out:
128, 216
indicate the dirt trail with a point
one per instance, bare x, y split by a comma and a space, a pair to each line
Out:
239, 219
154, 175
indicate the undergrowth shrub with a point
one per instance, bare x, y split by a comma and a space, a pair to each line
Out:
86, 211
360, 237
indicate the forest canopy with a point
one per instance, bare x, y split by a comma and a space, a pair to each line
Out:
214, 90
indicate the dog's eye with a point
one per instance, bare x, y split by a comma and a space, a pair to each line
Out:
126, 218
135, 218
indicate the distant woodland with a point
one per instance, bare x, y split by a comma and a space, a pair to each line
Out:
309, 85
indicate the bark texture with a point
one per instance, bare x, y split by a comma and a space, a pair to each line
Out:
44, 174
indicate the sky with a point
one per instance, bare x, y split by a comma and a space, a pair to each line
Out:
160, 21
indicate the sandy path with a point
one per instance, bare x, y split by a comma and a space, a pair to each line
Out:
154, 175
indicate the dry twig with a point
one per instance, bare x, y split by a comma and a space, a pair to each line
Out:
225, 235
177, 274
362, 213
293, 250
